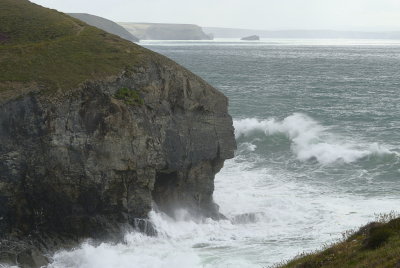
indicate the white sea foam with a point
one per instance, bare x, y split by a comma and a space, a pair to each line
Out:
246, 147
272, 217
310, 140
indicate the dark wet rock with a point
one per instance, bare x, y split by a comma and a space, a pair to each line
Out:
145, 226
21, 253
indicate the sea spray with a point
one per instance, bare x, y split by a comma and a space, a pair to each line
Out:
310, 140
269, 215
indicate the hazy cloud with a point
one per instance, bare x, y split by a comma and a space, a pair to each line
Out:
256, 14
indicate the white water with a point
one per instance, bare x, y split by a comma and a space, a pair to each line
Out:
272, 214
289, 218
310, 140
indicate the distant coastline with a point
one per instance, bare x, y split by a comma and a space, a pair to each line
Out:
105, 25
312, 34
164, 31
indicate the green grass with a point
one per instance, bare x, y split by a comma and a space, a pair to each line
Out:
23, 22
129, 96
42, 49
376, 245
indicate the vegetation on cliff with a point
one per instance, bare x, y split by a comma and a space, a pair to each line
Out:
129, 96
376, 245
42, 49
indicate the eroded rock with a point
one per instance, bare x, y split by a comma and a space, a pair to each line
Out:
85, 164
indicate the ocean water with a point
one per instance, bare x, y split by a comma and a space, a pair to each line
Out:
318, 129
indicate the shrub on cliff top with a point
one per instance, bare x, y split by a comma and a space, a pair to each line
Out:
377, 237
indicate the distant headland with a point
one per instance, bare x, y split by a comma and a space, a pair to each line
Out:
105, 25
161, 31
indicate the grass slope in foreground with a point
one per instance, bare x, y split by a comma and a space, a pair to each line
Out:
375, 245
42, 49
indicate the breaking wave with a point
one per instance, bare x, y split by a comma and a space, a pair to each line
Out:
309, 139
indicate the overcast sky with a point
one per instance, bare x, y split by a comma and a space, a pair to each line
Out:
250, 14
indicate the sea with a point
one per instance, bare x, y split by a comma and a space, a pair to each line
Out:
317, 123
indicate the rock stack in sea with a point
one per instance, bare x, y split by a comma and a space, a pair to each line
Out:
251, 38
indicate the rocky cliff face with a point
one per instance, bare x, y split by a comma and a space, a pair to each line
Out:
89, 164
96, 131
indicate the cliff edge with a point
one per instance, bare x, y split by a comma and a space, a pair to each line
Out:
95, 131
105, 25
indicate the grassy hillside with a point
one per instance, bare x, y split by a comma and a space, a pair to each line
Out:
376, 245
42, 49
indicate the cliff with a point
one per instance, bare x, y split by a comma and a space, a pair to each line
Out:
94, 132
105, 25
160, 31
